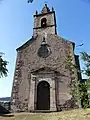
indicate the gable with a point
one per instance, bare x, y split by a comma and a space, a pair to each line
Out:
26, 44
34, 38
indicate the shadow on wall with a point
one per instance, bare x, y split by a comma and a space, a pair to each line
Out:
6, 115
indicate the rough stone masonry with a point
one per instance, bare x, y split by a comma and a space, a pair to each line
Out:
41, 80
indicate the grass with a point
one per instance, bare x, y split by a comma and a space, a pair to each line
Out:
78, 114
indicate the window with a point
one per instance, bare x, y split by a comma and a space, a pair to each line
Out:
43, 22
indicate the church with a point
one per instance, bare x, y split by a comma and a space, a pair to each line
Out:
42, 81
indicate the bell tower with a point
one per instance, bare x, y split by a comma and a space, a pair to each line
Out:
45, 22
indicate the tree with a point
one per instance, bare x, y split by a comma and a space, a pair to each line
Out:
29, 1
85, 85
86, 58
79, 88
3, 65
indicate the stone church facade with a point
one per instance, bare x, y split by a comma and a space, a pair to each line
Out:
42, 80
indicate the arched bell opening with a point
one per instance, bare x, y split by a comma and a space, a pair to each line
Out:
43, 22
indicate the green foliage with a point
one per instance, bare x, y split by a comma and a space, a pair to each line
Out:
83, 94
85, 87
86, 58
72, 68
79, 88
29, 1
3, 65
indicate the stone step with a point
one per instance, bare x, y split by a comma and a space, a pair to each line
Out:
42, 111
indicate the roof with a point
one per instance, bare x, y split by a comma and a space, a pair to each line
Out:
26, 44
45, 10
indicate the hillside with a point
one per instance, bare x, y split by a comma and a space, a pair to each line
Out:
5, 99
67, 115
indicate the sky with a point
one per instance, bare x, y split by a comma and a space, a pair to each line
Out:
16, 27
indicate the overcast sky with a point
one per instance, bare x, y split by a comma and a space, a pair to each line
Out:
16, 27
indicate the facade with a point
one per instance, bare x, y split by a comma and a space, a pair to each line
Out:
42, 80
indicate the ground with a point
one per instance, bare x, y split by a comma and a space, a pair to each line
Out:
78, 114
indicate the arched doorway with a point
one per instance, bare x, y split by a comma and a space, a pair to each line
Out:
43, 96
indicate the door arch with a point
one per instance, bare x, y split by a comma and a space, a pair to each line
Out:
43, 96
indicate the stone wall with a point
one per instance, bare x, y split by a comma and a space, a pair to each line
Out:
28, 61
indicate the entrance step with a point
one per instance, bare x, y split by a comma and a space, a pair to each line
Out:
42, 111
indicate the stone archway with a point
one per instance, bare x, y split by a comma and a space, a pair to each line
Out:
43, 96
